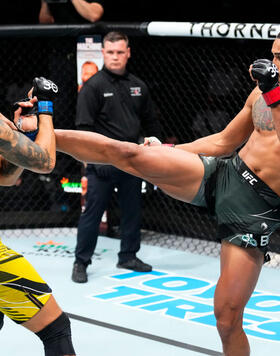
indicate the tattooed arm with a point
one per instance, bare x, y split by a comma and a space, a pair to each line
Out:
38, 156
9, 173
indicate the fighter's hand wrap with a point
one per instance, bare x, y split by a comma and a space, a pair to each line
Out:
267, 75
25, 111
45, 90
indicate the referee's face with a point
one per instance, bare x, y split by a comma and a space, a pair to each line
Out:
115, 56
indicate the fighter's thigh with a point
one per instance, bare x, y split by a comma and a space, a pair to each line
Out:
178, 173
240, 269
22, 291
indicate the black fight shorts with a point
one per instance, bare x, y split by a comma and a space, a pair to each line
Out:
246, 209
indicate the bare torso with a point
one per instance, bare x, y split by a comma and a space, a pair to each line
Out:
261, 153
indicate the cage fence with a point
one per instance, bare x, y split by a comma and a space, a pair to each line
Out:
197, 84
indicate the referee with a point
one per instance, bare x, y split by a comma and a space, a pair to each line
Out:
117, 104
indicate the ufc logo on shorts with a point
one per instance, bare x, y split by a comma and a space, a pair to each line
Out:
249, 177
49, 85
264, 240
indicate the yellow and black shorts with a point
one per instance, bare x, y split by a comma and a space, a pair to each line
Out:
22, 291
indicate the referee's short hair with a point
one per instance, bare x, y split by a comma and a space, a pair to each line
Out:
115, 36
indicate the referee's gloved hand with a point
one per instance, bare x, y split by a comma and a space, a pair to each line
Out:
46, 91
266, 74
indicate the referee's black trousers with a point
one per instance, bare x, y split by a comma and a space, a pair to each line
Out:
100, 189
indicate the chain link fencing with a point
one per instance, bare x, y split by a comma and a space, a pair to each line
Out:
198, 85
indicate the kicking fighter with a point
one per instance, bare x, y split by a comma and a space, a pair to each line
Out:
243, 192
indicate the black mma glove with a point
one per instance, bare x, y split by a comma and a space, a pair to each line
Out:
25, 111
46, 91
267, 75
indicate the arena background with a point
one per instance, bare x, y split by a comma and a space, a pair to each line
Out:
198, 85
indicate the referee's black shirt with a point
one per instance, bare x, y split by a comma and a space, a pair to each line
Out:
116, 106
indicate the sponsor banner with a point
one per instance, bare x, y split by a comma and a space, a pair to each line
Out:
71, 187
262, 31
48, 248
189, 299
89, 57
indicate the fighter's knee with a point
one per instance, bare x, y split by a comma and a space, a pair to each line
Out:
56, 337
228, 320
124, 152
130, 150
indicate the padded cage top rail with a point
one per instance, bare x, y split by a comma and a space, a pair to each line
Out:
263, 31
260, 31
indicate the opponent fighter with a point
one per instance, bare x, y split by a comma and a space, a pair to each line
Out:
24, 295
243, 192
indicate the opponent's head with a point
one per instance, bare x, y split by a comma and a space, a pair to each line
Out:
116, 52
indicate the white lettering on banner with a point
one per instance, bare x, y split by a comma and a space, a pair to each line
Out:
249, 177
89, 46
214, 29
189, 299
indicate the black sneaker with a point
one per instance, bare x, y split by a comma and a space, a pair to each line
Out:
136, 265
79, 274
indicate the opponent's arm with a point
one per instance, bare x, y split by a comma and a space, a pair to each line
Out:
9, 173
18, 150
21, 151
266, 74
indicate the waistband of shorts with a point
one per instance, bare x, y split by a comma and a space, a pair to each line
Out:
254, 181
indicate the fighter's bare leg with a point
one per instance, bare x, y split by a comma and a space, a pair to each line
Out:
177, 172
52, 322
50, 312
240, 269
